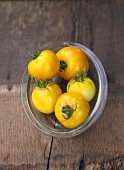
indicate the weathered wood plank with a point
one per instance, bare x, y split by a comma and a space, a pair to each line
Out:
102, 146
98, 147
20, 143
101, 27
24, 25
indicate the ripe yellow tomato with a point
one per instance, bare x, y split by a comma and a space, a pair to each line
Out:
44, 98
82, 86
72, 61
44, 66
71, 110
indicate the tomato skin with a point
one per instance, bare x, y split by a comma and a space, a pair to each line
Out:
44, 99
76, 60
45, 66
80, 106
85, 89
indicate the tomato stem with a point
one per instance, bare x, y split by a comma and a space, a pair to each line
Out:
36, 53
80, 78
63, 66
67, 111
41, 83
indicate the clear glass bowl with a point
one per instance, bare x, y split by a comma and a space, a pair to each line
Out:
48, 123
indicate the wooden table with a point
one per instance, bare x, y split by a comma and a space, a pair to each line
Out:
97, 24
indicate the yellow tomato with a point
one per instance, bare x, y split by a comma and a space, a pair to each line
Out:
82, 86
44, 98
44, 66
72, 61
71, 110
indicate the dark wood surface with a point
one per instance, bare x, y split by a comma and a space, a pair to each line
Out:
97, 24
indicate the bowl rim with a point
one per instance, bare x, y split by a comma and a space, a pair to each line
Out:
97, 110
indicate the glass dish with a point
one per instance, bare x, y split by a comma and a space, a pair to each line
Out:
48, 123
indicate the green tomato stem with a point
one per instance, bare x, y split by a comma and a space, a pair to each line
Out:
36, 53
41, 83
67, 111
63, 66
80, 78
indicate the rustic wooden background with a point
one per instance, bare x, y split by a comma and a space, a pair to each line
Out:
97, 24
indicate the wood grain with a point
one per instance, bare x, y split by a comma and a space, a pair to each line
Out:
98, 147
20, 143
99, 26
104, 25
102, 146
24, 25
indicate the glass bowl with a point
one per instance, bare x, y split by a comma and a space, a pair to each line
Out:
48, 123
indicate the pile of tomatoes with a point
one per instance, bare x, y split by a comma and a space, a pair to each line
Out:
71, 64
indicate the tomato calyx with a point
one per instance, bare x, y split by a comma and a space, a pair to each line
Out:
63, 66
67, 111
36, 53
41, 83
80, 78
